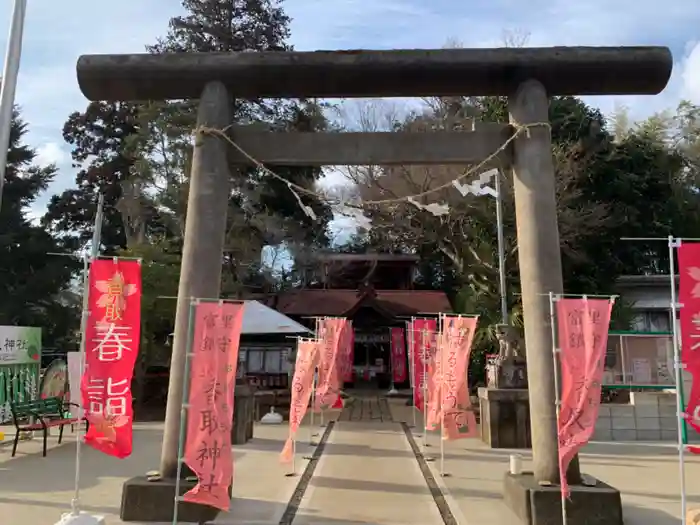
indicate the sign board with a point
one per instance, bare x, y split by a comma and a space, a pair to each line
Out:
54, 382
20, 360
20, 345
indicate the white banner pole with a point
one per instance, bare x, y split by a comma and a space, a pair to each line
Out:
439, 349
412, 365
557, 402
680, 409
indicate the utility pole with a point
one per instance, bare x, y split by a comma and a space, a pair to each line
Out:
9, 83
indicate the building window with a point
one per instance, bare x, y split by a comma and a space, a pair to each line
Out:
652, 321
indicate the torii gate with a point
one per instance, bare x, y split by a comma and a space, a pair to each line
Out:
526, 75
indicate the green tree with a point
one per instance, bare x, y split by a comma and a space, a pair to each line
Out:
640, 184
36, 284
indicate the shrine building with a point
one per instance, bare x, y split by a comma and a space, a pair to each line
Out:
376, 292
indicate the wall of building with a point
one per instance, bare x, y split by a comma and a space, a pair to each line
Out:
648, 417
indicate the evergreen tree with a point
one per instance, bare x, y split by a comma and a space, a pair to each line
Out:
36, 285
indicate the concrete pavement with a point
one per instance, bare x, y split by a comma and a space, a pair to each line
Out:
647, 476
367, 474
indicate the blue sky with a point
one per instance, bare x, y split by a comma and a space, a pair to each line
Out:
55, 35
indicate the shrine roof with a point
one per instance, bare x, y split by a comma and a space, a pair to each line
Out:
339, 302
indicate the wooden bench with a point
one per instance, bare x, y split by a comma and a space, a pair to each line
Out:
41, 414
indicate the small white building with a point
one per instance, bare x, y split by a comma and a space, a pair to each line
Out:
650, 298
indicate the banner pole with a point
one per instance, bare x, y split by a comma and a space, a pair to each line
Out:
412, 364
313, 407
294, 457
185, 406
75, 503
318, 324
672, 245
440, 396
557, 399
424, 387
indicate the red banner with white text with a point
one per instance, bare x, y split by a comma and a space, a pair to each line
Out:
422, 333
217, 331
112, 337
328, 388
398, 355
689, 298
583, 326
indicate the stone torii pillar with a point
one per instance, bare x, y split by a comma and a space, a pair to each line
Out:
528, 76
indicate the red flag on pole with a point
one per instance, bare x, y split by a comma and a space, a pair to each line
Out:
331, 330
423, 340
302, 385
112, 335
689, 297
457, 416
398, 355
217, 331
583, 326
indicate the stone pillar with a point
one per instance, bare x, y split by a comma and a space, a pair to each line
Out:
205, 229
539, 259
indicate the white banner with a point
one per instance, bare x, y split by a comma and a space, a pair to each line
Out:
74, 383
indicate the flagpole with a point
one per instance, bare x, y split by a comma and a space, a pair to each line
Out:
672, 245
75, 502
557, 399
9, 83
501, 251
97, 231
412, 365
439, 349
75, 513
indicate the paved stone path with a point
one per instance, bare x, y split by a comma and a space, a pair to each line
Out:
367, 474
366, 409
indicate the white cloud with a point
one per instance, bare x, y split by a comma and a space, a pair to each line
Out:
691, 73
51, 153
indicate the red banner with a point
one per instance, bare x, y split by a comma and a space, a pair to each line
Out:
330, 331
347, 352
422, 333
217, 331
398, 355
689, 298
302, 385
457, 417
583, 326
112, 337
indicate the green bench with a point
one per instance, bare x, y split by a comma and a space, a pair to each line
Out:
41, 414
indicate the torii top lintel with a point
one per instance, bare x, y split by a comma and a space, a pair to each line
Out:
365, 73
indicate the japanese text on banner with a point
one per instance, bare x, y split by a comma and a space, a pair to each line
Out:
329, 378
217, 330
302, 385
689, 298
423, 342
112, 341
583, 338
457, 417
398, 355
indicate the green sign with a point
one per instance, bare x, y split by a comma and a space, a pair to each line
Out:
20, 361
